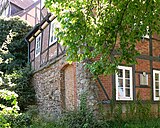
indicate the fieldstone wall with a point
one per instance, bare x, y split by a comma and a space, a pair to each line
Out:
48, 86
86, 84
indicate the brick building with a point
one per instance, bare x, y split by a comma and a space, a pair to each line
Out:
59, 84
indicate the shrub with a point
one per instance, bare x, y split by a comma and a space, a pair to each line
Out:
13, 59
8, 98
17, 47
9, 109
82, 118
8, 103
24, 88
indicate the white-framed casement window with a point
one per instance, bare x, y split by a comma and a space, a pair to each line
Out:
124, 83
53, 37
38, 45
156, 85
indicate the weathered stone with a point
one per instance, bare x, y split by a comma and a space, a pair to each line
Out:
59, 87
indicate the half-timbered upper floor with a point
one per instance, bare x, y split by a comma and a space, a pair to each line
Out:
43, 43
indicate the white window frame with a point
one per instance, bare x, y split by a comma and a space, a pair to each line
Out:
42, 3
124, 97
154, 85
38, 45
52, 33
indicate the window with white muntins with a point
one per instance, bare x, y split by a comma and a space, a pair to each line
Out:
38, 45
53, 37
124, 83
156, 85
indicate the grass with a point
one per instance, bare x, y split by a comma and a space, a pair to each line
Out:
150, 123
138, 115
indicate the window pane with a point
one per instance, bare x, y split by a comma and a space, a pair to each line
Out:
157, 85
157, 93
38, 50
51, 38
55, 38
120, 92
36, 45
52, 27
120, 82
127, 75
127, 92
127, 82
120, 73
156, 76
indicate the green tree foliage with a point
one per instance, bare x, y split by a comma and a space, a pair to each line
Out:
8, 99
18, 47
109, 29
14, 57
23, 88
14, 92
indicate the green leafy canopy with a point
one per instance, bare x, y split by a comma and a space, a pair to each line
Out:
13, 60
17, 48
104, 29
8, 98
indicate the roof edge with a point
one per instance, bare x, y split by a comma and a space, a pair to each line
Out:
48, 18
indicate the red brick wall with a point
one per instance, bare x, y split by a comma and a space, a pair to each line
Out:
156, 65
69, 87
156, 48
107, 83
143, 47
143, 65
